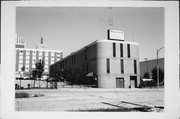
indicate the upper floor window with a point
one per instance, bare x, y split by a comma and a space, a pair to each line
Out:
135, 67
121, 50
114, 49
128, 50
108, 65
122, 66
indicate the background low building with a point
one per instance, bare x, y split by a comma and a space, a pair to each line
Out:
148, 65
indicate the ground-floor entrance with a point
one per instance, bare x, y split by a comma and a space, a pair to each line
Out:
133, 81
119, 82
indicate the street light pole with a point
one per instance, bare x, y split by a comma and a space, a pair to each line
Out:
158, 66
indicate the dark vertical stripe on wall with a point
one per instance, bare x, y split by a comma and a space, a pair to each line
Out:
49, 59
114, 49
108, 65
55, 56
86, 54
66, 61
30, 60
37, 56
122, 66
43, 55
17, 60
121, 50
72, 59
24, 58
135, 67
87, 67
128, 50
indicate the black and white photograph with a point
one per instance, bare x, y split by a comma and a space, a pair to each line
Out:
88, 59
91, 59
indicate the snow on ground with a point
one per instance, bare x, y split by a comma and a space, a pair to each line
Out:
65, 99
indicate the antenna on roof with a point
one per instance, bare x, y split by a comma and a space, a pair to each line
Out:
110, 18
41, 40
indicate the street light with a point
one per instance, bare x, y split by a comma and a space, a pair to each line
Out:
157, 51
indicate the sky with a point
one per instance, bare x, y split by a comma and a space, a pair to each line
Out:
71, 28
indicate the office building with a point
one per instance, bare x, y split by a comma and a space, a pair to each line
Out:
113, 61
27, 58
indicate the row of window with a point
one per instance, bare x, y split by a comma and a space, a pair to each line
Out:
34, 57
40, 53
27, 69
73, 59
121, 65
121, 50
20, 41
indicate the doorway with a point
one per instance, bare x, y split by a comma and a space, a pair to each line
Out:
119, 82
133, 81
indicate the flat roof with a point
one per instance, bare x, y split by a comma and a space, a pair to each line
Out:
103, 40
48, 50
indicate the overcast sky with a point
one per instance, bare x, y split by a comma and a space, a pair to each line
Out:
70, 29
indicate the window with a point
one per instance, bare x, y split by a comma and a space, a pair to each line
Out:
66, 62
20, 57
40, 53
121, 50
21, 61
114, 50
108, 65
52, 62
135, 67
86, 54
63, 63
72, 59
86, 67
122, 66
46, 58
21, 52
46, 62
27, 57
46, 66
27, 61
33, 66
128, 50
46, 54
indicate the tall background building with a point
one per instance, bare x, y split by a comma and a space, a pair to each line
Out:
27, 58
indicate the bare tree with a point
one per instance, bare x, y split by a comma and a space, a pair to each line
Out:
38, 71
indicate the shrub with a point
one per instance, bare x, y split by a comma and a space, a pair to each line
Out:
21, 95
